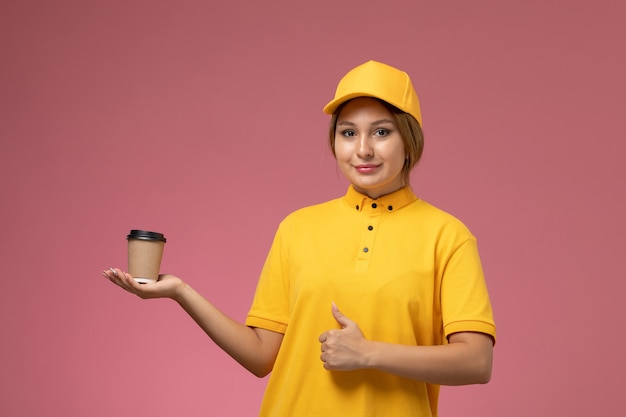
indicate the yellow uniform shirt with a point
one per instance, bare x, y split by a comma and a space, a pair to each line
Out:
403, 270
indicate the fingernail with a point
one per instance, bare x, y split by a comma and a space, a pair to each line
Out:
114, 271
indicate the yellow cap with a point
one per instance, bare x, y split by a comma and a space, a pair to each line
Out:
374, 79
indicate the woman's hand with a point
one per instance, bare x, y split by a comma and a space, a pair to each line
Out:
167, 286
343, 349
466, 359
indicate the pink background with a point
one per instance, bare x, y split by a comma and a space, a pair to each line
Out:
202, 120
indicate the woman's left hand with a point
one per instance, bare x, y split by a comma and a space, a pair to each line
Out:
343, 349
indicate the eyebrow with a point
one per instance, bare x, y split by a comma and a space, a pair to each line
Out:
376, 123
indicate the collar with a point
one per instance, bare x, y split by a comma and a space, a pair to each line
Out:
391, 202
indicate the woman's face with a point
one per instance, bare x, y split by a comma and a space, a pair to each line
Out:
368, 147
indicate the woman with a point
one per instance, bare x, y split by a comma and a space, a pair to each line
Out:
366, 303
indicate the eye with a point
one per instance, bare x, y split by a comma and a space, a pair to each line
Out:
381, 132
348, 133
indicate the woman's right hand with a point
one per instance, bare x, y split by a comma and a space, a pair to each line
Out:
167, 286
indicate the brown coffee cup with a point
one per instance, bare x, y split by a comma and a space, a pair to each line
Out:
145, 251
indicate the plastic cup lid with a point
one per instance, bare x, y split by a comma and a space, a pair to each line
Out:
145, 235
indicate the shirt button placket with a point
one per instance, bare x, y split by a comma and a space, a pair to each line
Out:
372, 213
369, 238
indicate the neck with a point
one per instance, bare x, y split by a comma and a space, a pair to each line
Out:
374, 195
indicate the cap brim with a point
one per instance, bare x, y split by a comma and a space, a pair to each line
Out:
338, 101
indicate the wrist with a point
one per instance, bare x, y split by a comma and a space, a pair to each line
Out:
181, 292
371, 354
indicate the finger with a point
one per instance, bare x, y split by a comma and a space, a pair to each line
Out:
338, 315
325, 364
323, 337
108, 275
130, 281
111, 274
120, 278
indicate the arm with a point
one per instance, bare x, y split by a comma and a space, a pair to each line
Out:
255, 349
465, 360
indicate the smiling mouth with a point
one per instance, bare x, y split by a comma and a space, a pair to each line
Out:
364, 169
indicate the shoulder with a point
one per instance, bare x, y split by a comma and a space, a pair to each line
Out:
307, 213
437, 220
311, 218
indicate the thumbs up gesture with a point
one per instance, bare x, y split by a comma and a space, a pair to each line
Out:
345, 348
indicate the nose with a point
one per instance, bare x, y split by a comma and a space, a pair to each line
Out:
364, 147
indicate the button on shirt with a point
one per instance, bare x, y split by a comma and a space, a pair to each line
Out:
372, 213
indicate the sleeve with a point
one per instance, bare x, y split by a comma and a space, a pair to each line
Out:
270, 306
465, 302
